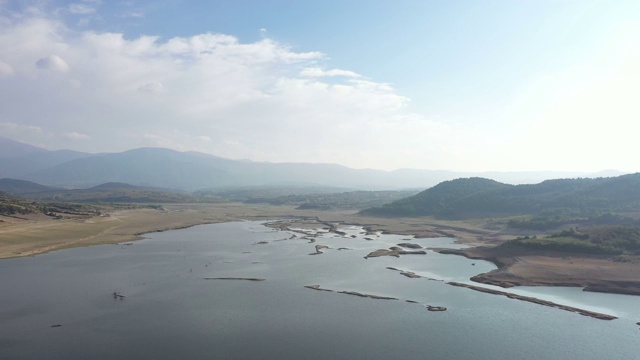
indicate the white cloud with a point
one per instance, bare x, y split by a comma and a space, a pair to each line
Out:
133, 14
231, 143
11, 126
23, 132
260, 100
53, 63
5, 70
77, 136
81, 9
318, 72
151, 87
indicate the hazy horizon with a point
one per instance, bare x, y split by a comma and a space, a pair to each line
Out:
549, 174
466, 86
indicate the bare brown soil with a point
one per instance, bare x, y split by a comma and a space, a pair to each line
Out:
523, 266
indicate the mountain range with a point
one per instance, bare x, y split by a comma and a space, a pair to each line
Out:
170, 169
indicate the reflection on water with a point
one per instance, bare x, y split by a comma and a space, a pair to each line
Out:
170, 311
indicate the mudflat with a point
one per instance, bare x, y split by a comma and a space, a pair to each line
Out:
516, 266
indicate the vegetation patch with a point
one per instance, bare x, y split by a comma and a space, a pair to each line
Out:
605, 240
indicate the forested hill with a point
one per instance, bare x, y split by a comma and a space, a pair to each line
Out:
478, 197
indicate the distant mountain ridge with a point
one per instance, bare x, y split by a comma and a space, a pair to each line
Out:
12, 148
23, 187
478, 197
112, 192
18, 159
169, 169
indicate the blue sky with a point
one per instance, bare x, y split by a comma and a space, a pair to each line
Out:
460, 85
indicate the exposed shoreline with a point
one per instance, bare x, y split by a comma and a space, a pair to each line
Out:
529, 267
40, 235
19, 238
530, 299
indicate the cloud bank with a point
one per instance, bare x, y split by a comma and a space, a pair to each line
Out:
65, 87
208, 92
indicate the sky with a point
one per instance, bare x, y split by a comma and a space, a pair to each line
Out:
453, 85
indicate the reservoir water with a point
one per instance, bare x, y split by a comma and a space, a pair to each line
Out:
60, 305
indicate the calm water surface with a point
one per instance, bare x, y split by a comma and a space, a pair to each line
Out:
171, 311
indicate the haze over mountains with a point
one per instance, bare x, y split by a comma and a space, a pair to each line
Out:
165, 168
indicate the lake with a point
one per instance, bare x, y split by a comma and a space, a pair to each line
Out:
172, 311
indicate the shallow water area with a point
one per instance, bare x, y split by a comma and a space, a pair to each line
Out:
170, 309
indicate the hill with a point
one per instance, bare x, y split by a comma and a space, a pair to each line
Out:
23, 187
438, 199
112, 186
338, 200
122, 193
477, 197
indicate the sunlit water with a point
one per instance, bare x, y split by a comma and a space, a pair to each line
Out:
172, 312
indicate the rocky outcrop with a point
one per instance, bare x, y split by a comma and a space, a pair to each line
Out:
393, 251
410, 246
317, 287
419, 252
411, 274
234, 278
382, 252
371, 296
377, 297
318, 249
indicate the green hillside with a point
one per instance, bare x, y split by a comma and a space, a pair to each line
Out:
438, 199
478, 197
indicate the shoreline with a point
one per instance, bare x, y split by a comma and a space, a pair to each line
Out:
526, 267
583, 312
23, 237
31, 237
